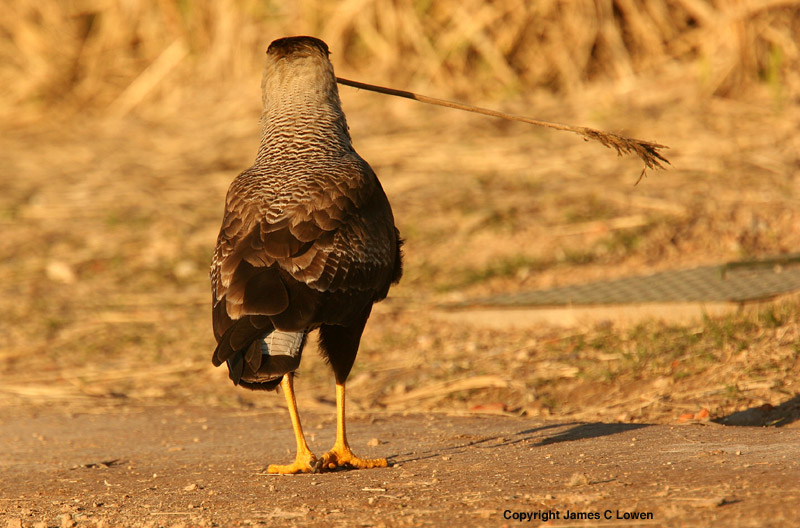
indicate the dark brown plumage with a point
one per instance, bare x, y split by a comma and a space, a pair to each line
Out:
307, 240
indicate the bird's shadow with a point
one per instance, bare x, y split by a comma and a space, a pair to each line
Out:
582, 431
538, 436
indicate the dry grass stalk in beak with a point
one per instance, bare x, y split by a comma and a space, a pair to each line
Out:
646, 150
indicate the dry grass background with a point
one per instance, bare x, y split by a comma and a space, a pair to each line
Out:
119, 53
123, 122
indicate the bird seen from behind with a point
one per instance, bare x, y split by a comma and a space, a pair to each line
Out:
307, 243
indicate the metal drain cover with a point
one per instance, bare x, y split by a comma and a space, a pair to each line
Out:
732, 282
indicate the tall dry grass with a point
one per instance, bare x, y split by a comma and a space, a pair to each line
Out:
117, 54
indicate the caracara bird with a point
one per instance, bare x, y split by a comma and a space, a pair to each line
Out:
308, 242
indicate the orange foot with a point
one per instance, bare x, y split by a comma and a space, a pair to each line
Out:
303, 463
341, 457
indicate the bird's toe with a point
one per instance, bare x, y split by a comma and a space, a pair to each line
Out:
305, 463
336, 458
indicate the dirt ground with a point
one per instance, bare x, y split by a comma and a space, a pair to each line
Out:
190, 466
112, 415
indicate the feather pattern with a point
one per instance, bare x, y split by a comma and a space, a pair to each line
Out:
307, 236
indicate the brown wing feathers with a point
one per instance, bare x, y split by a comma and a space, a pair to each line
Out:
273, 277
308, 237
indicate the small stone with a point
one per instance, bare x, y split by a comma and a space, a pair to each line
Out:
65, 520
578, 479
58, 271
184, 269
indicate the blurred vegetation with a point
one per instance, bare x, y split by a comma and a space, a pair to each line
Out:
101, 54
122, 123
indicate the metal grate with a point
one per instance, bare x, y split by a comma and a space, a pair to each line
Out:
732, 282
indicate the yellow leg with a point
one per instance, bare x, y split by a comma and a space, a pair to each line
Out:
340, 455
305, 460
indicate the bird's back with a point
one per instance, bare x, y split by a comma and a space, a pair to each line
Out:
307, 237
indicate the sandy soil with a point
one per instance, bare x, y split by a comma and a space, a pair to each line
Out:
188, 466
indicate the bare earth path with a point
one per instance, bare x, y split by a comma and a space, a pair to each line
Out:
111, 414
188, 466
